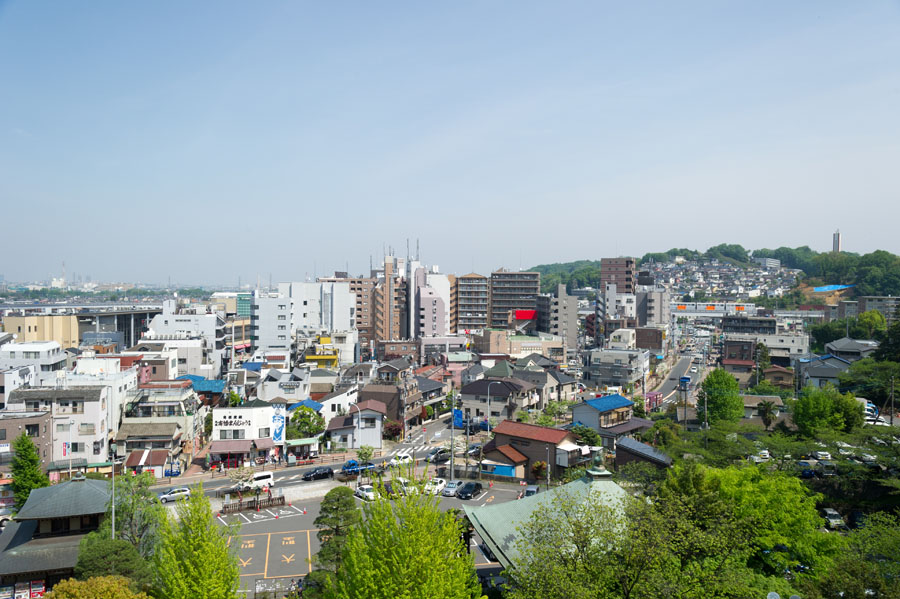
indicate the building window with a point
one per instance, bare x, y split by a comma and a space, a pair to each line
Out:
368, 423
263, 433
32, 430
282, 317
2, 434
62, 427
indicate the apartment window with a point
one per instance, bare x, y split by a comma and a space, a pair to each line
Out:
368, 423
154, 370
334, 407
12, 354
263, 433
282, 327
281, 306
2, 434
62, 427
282, 317
32, 406
77, 447
281, 337
86, 428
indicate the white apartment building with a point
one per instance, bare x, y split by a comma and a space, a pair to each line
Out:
192, 353
271, 318
190, 322
91, 371
46, 356
15, 378
328, 306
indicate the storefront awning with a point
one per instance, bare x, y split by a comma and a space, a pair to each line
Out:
264, 443
234, 446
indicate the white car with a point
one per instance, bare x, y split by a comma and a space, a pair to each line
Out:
435, 486
452, 487
764, 454
878, 421
365, 492
174, 494
403, 483
400, 459
821, 455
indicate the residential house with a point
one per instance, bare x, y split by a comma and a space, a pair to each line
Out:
851, 349
612, 416
34, 424
363, 425
781, 377
47, 357
542, 444
502, 397
618, 368
629, 450
167, 402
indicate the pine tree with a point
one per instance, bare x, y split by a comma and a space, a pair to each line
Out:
193, 558
26, 469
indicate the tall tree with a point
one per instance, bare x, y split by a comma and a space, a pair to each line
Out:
872, 322
871, 379
338, 516
720, 396
767, 413
822, 409
889, 348
139, 515
99, 555
305, 422
405, 548
193, 558
100, 587
26, 469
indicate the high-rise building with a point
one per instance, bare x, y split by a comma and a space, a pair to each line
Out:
836, 241
321, 306
558, 315
620, 272
364, 289
512, 291
391, 317
469, 303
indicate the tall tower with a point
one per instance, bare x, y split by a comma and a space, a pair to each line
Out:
836, 241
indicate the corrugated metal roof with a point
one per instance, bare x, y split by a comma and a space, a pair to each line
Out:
71, 498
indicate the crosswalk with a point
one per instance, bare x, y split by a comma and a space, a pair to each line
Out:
419, 450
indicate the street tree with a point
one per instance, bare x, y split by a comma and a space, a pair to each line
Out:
405, 548
338, 515
100, 587
364, 453
305, 423
26, 470
233, 399
139, 516
720, 398
100, 555
763, 360
195, 556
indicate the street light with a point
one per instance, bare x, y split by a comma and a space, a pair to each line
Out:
489, 402
358, 417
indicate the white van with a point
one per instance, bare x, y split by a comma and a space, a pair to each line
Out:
260, 480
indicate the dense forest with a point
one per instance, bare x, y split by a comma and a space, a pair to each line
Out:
876, 273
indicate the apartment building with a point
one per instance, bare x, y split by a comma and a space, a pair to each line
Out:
557, 314
469, 303
391, 304
194, 322
323, 305
887, 305
620, 272
363, 289
36, 425
14, 378
271, 315
512, 291
46, 356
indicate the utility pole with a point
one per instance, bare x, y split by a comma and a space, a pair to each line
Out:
892, 401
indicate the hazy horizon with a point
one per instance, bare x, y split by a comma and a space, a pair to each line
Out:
206, 142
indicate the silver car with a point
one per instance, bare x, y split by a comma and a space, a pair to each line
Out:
453, 486
175, 494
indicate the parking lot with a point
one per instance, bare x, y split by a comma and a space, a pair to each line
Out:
277, 543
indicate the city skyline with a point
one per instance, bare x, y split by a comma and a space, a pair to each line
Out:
199, 142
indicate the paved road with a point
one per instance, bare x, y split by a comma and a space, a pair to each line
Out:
671, 383
276, 544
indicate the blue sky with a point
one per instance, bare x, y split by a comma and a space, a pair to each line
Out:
210, 141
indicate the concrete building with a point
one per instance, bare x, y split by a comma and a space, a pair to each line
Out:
618, 367
363, 289
506, 342
784, 348
623, 339
62, 328
750, 325
105, 372
652, 306
558, 315
469, 303
35, 424
271, 315
620, 272
512, 291
194, 322
322, 306
167, 402
250, 434
391, 302
79, 428
887, 305
46, 356
768, 263
14, 378
836, 241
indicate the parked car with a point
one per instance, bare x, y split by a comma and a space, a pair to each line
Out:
833, 519
400, 459
474, 449
532, 490
821, 455
452, 488
438, 455
175, 494
826, 468
365, 492
806, 469
764, 454
435, 486
470, 490
260, 481
405, 487
318, 473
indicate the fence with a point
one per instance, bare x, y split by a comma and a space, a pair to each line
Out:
252, 504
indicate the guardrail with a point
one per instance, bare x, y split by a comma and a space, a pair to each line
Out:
252, 504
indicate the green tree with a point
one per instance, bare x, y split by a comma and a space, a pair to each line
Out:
193, 558
720, 396
822, 409
873, 324
889, 348
305, 422
233, 399
139, 516
208, 425
99, 555
101, 587
768, 412
587, 435
26, 470
364, 453
871, 379
405, 548
338, 516
763, 360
